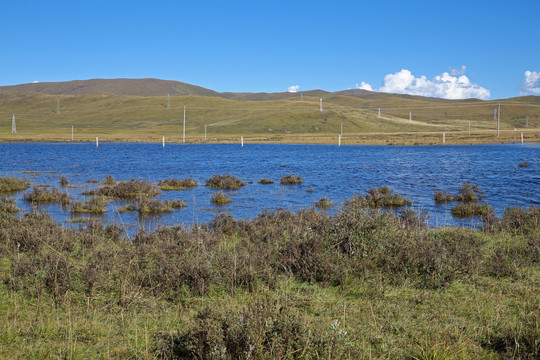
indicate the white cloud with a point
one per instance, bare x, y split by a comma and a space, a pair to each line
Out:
531, 84
444, 86
293, 88
364, 86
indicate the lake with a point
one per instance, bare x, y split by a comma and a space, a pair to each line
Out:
337, 172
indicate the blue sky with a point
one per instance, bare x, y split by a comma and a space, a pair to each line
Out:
253, 46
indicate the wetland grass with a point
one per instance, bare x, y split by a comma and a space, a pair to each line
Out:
8, 205
224, 182
44, 195
246, 288
147, 206
265, 181
291, 180
10, 185
131, 189
324, 203
220, 198
523, 164
109, 180
94, 205
63, 181
127, 208
470, 209
175, 184
384, 197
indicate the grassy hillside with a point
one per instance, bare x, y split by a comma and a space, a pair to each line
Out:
267, 117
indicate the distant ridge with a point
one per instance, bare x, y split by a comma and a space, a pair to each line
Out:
149, 87
129, 87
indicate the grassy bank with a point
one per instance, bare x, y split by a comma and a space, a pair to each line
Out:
358, 284
268, 119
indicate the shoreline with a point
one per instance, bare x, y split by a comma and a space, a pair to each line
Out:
410, 138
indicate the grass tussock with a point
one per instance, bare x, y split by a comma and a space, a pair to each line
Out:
523, 164
109, 180
94, 205
175, 204
10, 185
127, 208
220, 198
224, 182
385, 286
8, 205
467, 193
147, 205
324, 203
63, 181
384, 197
175, 184
471, 209
131, 189
442, 197
265, 181
291, 180
44, 195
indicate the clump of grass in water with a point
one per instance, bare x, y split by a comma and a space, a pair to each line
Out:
127, 208
127, 190
63, 181
383, 197
8, 205
175, 184
109, 180
224, 182
324, 203
442, 197
152, 206
95, 205
467, 193
92, 181
175, 204
291, 180
220, 198
44, 195
470, 209
266, 181
11, 185
523, 164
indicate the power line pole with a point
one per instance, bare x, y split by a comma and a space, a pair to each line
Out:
410, 117
495, 114
320, 102
499, 120
204, 132
184, 131
58, 106
527, 121
301, 97
379, 113
13, 127
168, 101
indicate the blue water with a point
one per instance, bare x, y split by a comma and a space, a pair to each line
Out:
416, 172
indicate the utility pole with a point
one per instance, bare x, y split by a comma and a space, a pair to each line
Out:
379, 113
527, 121
499, 120
58, 106
410, 117
301, 97
13, 127
168, 101
204, 132
71, 132
341, 130
495, 114
184, 131
320, 102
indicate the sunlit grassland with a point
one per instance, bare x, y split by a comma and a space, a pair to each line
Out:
132, 118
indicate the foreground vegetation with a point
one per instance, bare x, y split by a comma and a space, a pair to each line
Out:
361, 283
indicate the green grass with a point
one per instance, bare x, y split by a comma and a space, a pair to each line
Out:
220, 198
464, 210
359, 284
291, 180
132, 118
384, 197
94, 205
175, 184
11, 185
224, 182
44, 195
131, 189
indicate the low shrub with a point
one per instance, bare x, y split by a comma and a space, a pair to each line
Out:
175, 184
127, 190
469, 193
109, 180
225, 182
8, 205
152, 206
94, 205
44, 195
324, 203
175, 204
11, 185
442, 197
471, 209
220, 198
383, 197
63, 181
291, 180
